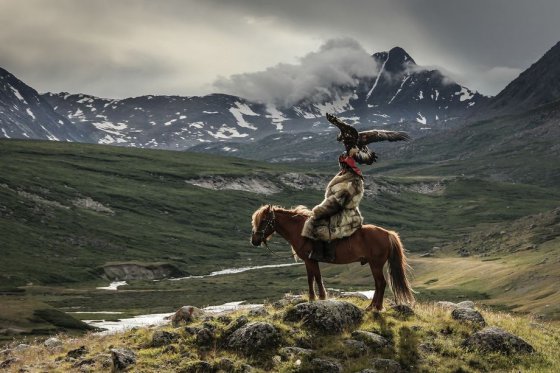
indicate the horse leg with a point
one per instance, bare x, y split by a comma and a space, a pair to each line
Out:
380, 284
310, 278
318, 279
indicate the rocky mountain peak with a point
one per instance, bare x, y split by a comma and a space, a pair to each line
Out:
536, 86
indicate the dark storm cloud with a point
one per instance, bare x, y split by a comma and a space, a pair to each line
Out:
132, 47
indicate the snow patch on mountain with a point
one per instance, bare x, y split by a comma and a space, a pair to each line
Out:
465, 94
226, 132
17, 94
242, 109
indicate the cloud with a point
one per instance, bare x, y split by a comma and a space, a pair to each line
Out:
316, 76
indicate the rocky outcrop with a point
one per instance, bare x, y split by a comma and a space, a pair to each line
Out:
328, 317
320, 365
385, 365
497, 340
140, 271
163, 338
373, 340
254, 338
186, 314
122, 358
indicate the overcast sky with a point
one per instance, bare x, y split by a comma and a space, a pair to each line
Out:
123, 48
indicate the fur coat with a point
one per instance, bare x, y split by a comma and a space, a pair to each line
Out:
338, 215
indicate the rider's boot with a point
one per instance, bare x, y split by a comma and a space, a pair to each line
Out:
329, 251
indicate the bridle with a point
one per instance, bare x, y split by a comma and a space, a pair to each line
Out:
270, 222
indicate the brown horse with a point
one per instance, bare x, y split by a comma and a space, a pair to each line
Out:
370, 244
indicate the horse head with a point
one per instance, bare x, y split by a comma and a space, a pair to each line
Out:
264, 224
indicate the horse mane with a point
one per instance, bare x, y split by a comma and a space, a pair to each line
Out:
300, 210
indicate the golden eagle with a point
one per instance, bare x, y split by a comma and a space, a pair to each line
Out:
356, 142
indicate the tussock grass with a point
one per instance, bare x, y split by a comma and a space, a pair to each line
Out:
426, 342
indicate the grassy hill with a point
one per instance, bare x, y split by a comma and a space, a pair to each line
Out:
67, 211
513, 148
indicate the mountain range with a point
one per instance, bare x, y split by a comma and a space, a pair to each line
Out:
402, 92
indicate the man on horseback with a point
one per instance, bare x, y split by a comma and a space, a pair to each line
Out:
338, 216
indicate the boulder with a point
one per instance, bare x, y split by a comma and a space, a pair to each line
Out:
386, 366
197, 366
497, 340
466, 304
186, 314
233, 326
78, 352
163, 338
52, 343
403, 310
327, 316
258, 311
355, 348
452, 306
8, 362
291, 353
468, 315
447, 305
319, 365
373, 340
224, 365
22, 347
122, 358
205, 337
254, 338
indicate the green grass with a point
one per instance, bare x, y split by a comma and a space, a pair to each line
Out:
427, 341
54, 249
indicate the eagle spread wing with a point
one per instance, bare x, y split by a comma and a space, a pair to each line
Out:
367, 137
359, 140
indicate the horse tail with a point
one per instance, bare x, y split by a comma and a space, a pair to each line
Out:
398, 269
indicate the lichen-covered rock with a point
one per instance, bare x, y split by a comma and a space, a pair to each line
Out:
78, 352
328, 316
355, 348
319, 365
232, 327
224, 365
497, 340
403, 310
258, 311
197, 366
291, 353
186, 314
373, 340
447, 305
205, 337
386, 366
122, 358
452, 306
163, 338
254, 338
466, 304
468, 315
52, 343
8, 362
